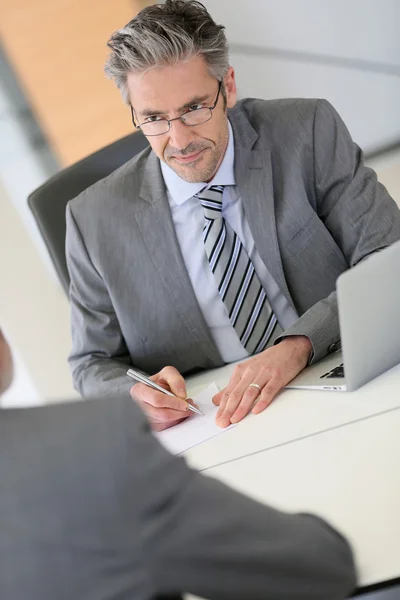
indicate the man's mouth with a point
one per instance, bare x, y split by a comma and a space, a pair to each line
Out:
189, 158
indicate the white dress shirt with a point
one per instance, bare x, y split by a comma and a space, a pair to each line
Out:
188, 219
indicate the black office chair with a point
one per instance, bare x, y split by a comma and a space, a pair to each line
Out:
49, 201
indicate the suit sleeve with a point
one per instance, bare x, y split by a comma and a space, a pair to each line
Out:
99, 358
198, 536
356, 209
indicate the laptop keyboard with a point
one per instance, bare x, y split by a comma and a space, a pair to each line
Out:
336, 372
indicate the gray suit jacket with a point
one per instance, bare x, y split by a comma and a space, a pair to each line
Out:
313, 208
92, 507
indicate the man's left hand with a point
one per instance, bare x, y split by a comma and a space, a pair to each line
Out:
271, 370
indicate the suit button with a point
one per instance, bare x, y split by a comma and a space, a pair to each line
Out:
332, 348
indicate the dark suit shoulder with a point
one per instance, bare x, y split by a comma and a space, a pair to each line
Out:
124, 181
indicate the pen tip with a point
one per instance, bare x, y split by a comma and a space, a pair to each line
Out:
196, 410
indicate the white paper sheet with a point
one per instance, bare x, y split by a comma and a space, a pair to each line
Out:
195, 429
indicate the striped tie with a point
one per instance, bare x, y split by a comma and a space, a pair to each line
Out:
238, 285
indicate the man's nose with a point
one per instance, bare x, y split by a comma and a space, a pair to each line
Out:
180, 135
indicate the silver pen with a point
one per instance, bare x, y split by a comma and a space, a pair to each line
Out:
143, 379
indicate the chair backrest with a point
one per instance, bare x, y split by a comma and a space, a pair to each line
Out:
48, 203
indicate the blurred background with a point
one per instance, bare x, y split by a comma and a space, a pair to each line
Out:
56, 107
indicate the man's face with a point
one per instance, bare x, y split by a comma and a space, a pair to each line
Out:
6, 364
194, 153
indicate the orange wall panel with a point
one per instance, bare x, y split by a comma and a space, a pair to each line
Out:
57, 48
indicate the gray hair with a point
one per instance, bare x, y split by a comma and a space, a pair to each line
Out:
162, 35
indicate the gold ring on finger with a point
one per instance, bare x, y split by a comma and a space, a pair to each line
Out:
256, 386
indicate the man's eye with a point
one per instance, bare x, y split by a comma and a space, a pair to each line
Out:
196, 106
153, 119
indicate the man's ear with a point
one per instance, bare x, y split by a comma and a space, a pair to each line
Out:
230, 88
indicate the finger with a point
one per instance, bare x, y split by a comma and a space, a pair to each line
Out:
249, 398
235, 377
147, 395
235, 398
221, 398
190, 401
173, 379
220, 411
267, 395
217, 398
163, 415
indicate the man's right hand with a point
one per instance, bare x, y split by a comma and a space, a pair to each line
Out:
163, 411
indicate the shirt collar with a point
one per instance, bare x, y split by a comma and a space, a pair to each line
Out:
181, 190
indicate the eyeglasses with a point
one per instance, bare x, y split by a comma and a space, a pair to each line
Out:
194, 117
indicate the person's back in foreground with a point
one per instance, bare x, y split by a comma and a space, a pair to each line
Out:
92, 507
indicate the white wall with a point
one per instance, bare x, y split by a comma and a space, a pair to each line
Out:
358, 29
347, 51
34, 312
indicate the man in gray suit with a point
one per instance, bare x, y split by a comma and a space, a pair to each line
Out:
112, 515
223, 240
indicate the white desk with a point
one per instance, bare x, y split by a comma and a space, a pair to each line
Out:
333, 454
293, 415
350, 476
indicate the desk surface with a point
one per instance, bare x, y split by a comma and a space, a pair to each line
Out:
294, 414
350, 476
333, 454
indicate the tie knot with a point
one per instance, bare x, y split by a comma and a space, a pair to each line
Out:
211, 201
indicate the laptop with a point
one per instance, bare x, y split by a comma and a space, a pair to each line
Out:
369, 317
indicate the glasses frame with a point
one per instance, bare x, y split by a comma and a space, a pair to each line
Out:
169, 121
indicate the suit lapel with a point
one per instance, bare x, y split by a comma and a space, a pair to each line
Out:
254, 179
156, 225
